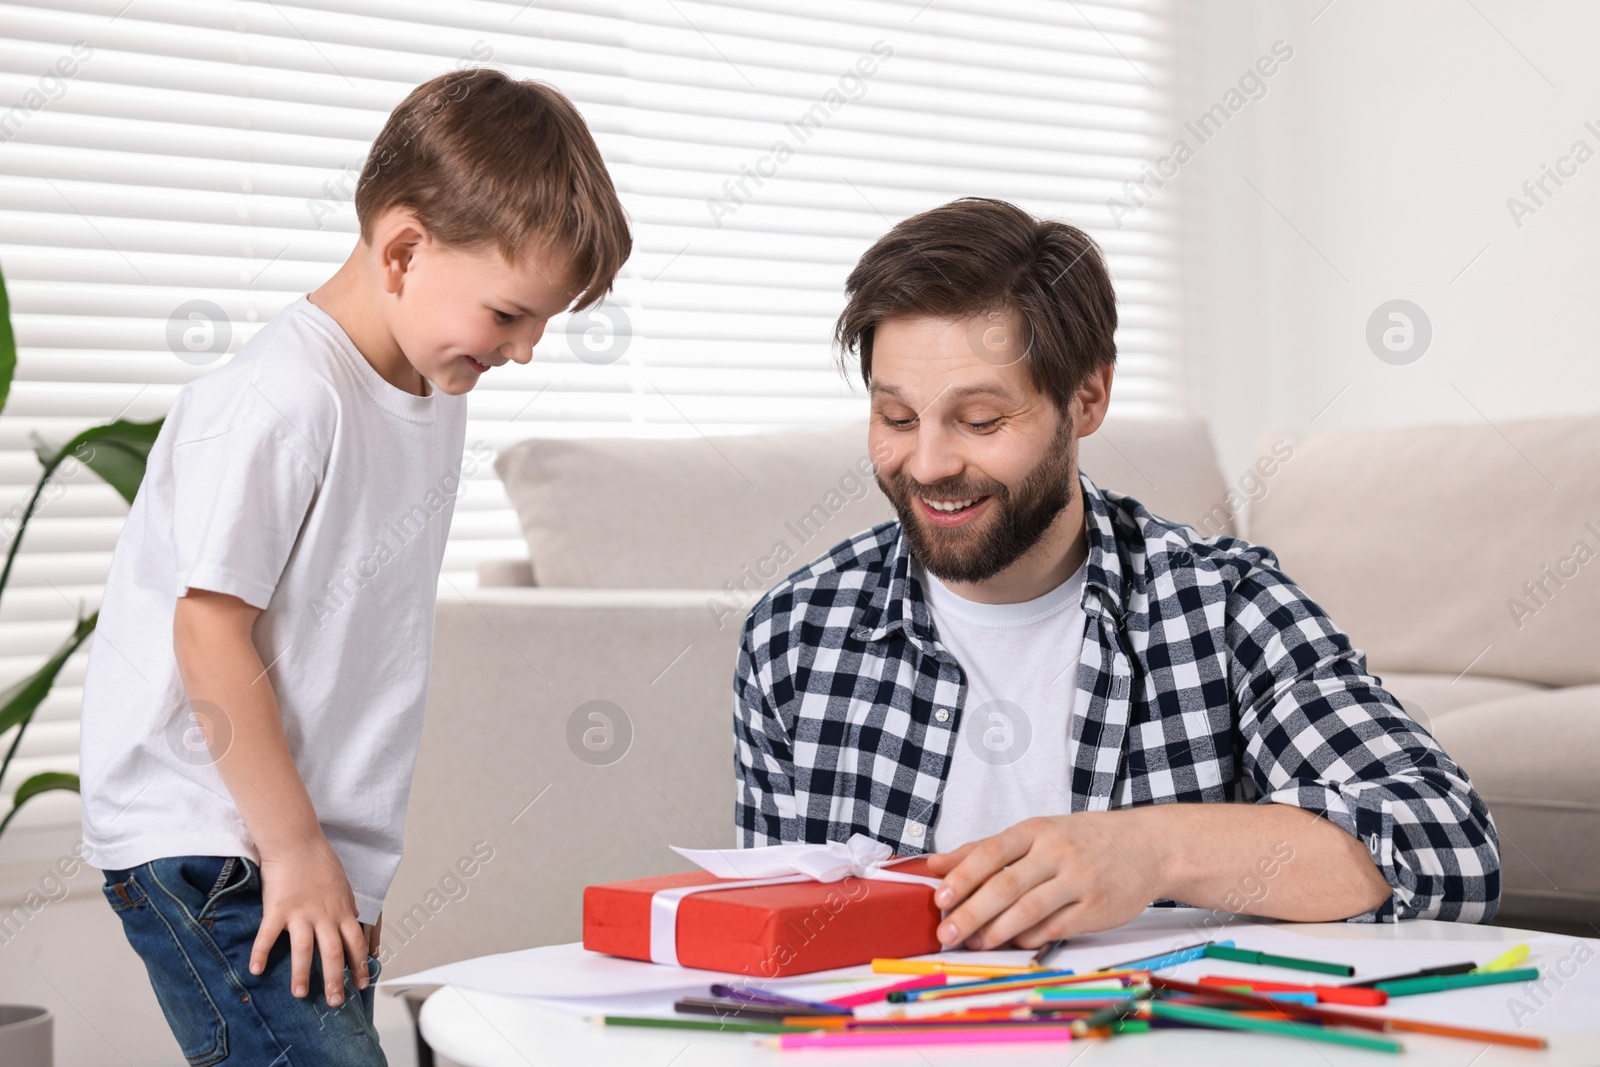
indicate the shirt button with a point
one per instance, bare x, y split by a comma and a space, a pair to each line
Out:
916, 829
942, 715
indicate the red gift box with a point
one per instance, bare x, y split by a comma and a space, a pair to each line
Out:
770, 931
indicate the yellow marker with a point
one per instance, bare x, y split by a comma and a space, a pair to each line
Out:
1505, 961
966, 970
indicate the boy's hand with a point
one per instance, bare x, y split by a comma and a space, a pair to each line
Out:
305, 892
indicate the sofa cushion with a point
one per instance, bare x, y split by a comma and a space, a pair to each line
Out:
1531, 758
1449, 548
1427, 696
689, 513
1168, 465
741, 512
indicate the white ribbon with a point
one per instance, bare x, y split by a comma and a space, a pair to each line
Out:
860, 857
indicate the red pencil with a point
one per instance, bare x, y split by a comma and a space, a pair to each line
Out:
1326, 994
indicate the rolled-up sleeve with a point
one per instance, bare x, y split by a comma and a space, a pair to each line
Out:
1321, 733
764, 809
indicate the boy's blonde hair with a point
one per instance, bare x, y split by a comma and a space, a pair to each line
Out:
484, 158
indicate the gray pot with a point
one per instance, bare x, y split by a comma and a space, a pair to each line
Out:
25, 1036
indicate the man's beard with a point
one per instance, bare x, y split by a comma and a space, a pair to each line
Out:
1019, 521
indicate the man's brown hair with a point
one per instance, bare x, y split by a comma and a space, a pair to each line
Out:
976, 256
483, 158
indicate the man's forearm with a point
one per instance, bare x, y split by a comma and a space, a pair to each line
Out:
227, 685
1272, 860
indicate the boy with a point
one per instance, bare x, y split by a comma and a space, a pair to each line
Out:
254, 697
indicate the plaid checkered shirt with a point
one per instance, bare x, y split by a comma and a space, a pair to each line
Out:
1207, 676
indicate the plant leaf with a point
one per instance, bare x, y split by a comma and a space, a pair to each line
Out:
18, 703
8, 344
39, 783
43, 782
116, 451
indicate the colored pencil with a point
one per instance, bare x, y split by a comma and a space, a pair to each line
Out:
947, 1023
698, 1024
1285, 996
1011, 1001
965, 970
1047, 950
982, 985
1440, 983
1327, 994
1224, 950
1347, 1018
1187, 948
765, 996
872, 996
1228, 1020
966, 1015
1110, 1014
1426, 972
1174, 959
1025, 978
968, 989
1011, 998
1079, 993
742, 1009
1507, 960
990, 1035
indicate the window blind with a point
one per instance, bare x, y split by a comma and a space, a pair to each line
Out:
172, 173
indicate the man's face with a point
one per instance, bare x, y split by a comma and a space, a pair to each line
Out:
977, 462
463, 311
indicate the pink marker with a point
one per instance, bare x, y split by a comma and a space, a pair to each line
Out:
990, 1035
872, 996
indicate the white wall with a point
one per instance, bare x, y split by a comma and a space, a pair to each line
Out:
1387, 147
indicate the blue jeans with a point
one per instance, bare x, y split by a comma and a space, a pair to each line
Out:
193, 920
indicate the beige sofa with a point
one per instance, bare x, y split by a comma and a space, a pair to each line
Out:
1465, 561
580, 725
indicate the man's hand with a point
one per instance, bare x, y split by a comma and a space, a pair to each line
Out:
305, 892
1046, 878
1049, 878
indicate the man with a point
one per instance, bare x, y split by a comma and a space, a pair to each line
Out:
1086, 707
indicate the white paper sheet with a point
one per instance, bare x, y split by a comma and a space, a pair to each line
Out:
567, 978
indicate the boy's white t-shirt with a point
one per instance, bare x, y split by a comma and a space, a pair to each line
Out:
298, 480
1012, 755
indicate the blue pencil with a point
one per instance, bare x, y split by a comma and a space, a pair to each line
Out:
1171, 959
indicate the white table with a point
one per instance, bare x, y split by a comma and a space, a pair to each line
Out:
484, 1030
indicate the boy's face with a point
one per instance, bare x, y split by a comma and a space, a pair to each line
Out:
460, 312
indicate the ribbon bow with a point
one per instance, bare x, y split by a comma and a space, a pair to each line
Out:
860, 857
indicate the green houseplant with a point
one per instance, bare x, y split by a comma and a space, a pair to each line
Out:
117, 452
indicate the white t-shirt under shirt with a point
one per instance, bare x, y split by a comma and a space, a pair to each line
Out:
300, 481
1012, 755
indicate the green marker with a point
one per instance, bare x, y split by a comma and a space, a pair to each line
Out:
1267, 959
1227, 1020
1442, 982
